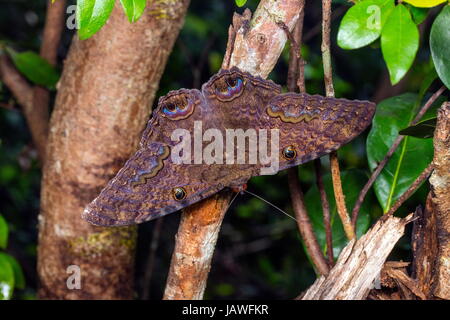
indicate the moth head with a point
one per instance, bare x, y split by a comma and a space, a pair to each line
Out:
177, 105
227, 85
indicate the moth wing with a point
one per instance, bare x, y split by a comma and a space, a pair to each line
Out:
237, 99
144, 189
314, 125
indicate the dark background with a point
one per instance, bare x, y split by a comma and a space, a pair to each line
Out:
259, 252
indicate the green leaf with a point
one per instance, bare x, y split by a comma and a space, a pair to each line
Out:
423, 129
399, 42
425, 3
418, 14
92, 15
35, 68
363, 22
133, 8
240, 3
6, 279
408, 161
3, 233
19, 278
353, 181
439, 43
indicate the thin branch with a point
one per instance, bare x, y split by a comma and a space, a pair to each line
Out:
54, 24
16, 83
304, 224
325, 210
303, 221
318, 28
34, 100
389, 154
329, 90
326, 51
421, 178
340, 198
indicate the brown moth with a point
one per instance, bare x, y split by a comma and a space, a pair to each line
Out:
152, 184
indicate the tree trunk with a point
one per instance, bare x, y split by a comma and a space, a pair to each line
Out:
104, 98
440, 189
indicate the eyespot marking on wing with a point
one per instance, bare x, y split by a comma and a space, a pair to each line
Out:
228, 87
178, 105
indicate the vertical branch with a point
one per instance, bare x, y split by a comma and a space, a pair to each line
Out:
54, 23
254, 46
34, 100
440, 190
304, 224
326, 48
325, 210
296, 78
424, 247
329, 89
339, 196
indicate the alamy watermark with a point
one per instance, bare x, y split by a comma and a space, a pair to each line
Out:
231, 149
73, 282
374, 19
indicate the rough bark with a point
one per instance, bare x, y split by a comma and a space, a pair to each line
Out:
254, 45
424, 248
359, 263
105, 93
440, 190
202, 228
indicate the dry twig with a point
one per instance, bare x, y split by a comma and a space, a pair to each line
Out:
329, 90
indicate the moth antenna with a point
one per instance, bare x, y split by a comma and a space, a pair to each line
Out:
232, 200
260, 198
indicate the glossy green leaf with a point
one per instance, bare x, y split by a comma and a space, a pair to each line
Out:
399, 42
423, 129
418, 14
3, 233
408, 161
240, 3
439, 44
6, 279
425, 3
362, 23
19, 278
35, 68
133, 8
92, 15
352, 181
